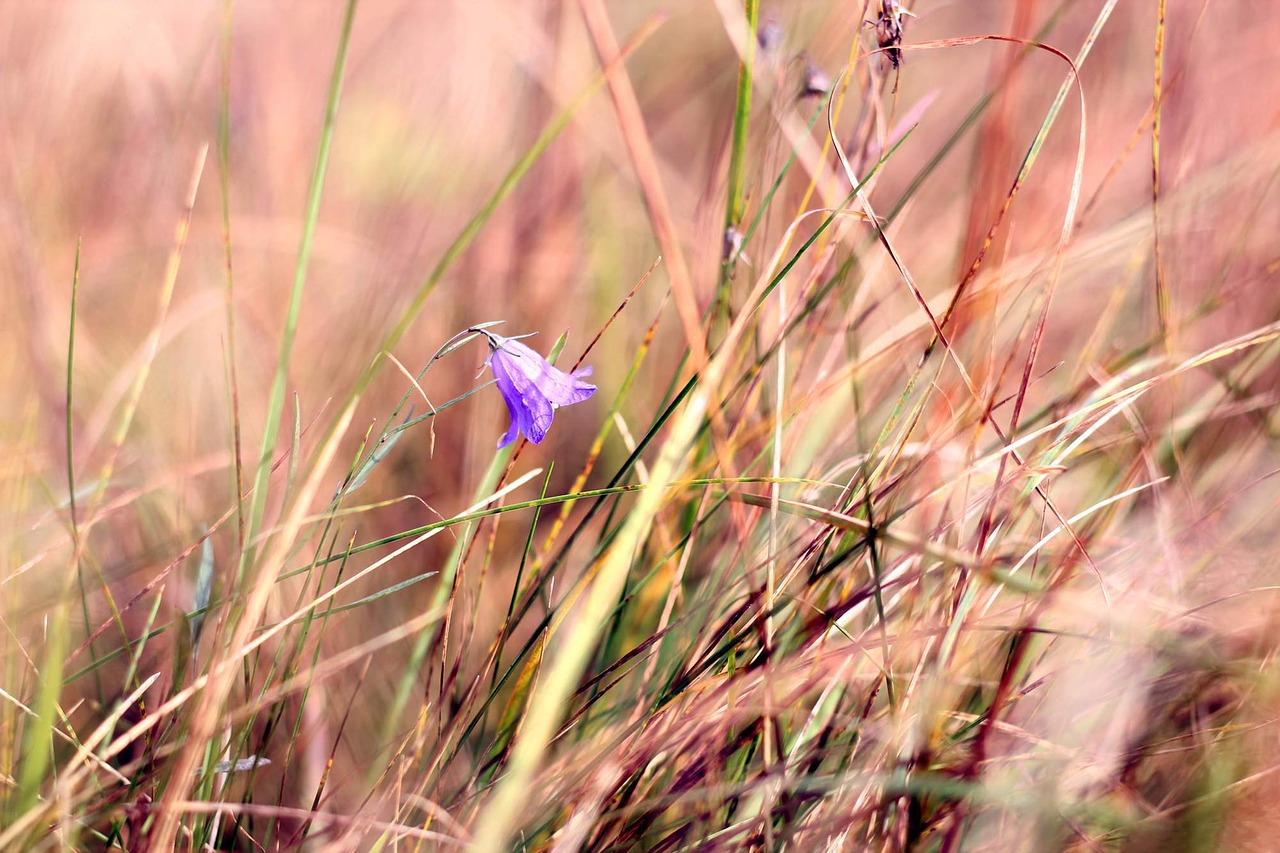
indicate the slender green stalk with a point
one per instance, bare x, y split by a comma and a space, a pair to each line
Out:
735, 202
71, 360
224, 183
735, 205
275, 405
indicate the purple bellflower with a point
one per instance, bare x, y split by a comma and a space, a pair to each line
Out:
532, 387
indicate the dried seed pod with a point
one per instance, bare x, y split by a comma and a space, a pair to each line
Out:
889, 30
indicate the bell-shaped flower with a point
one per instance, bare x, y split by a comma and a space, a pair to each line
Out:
532, 387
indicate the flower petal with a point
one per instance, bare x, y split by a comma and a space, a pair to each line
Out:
512, 432
530, 410
558, 387
532, 387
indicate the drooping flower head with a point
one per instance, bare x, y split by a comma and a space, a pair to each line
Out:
532, 387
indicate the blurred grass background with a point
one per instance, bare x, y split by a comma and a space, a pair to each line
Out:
868, 645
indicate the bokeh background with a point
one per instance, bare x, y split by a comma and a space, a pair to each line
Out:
106, 107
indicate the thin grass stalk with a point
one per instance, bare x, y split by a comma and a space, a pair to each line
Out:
311, 218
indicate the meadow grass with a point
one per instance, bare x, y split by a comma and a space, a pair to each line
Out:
926, 501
